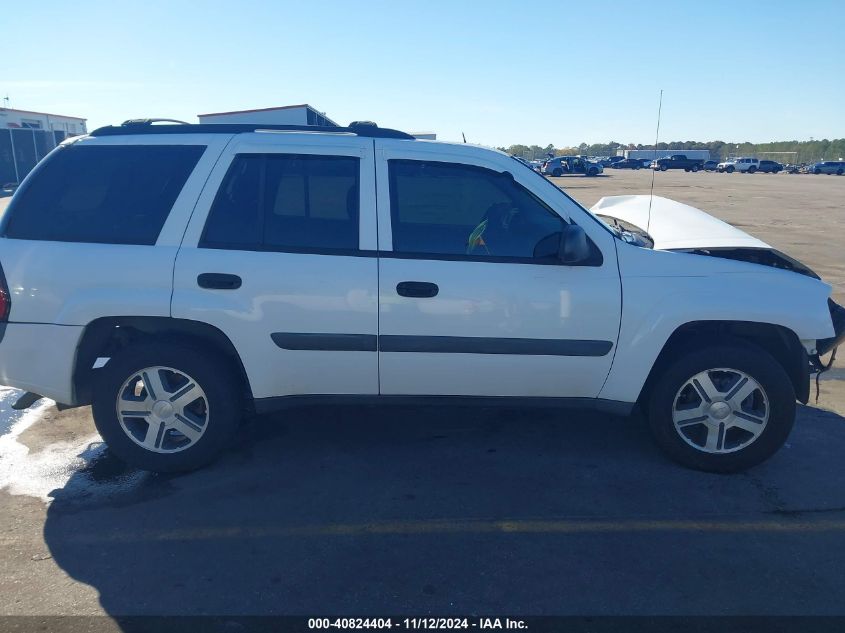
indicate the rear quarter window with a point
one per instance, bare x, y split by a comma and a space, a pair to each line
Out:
112, 194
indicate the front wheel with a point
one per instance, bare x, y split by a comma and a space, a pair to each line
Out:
557, 172
730, 170
664, 167
722, 409
166, 407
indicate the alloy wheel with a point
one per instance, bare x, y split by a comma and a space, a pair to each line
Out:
162, 409
720, 410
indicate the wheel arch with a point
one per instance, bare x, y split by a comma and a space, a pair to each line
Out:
782, 343
106, 336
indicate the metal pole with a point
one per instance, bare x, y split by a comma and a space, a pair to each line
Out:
14, 157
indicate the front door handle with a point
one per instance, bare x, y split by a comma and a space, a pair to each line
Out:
219, 281
419, 289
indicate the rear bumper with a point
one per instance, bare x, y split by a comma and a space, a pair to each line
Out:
40, 358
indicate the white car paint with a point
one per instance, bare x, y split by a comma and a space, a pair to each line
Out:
288, 292
739, 164
499, 300
634, 300
663, 290
674, 224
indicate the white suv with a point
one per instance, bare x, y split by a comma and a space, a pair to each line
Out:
748, 165
178, 277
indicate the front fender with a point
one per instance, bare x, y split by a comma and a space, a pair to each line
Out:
662, 291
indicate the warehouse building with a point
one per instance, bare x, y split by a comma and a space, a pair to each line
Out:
26, 137
302, 114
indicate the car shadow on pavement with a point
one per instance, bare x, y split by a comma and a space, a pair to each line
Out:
455, 510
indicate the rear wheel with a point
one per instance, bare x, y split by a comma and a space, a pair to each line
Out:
695, 168
722, 408
166, 407
557, 172
592, 171
751, 170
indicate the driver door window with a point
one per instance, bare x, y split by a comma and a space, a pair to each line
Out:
446, 209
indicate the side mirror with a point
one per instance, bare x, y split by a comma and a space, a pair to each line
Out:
574, 246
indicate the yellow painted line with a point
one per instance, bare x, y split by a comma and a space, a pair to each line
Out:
460, 526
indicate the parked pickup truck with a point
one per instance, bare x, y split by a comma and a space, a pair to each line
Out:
678, 161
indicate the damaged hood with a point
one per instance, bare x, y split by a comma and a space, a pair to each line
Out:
675, 225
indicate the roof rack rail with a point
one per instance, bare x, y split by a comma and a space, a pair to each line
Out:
151, 121
145, 126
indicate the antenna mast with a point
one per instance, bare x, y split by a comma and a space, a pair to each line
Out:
653, 171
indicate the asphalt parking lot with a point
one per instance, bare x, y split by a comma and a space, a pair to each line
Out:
447, 510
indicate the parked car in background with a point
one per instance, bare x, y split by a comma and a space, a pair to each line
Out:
678, 161
741, 163
628, 163
710, 165
769, 167
829, 167
563, 165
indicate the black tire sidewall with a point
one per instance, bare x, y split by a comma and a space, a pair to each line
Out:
754, 361
213, 376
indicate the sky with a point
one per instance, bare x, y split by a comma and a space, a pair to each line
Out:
500, 72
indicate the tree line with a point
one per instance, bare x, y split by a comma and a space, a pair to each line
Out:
805, 151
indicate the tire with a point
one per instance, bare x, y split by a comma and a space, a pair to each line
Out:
209, 421
730, 169
557, 172
838, 172
664, 167
817, 171
740, 448
695, 168
751, 170
592, 171
636, 167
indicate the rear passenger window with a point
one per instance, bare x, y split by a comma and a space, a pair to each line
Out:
115, 194
286, 202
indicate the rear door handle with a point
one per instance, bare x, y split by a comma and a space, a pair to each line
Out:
419, 289
219, 281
